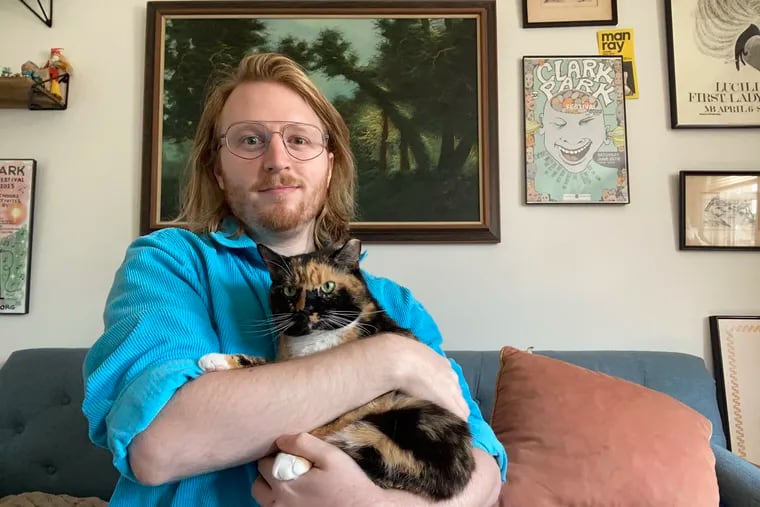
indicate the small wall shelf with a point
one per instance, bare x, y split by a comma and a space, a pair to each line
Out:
24, 93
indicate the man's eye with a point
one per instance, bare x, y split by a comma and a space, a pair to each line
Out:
252, 140
289, 291
298, 140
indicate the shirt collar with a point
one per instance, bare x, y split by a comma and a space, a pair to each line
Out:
226, 235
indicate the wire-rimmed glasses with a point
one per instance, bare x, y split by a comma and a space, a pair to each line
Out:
250, 139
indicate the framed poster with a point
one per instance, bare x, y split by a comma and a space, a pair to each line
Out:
415, 82
718, 210
576, 149
547, 13
713, 63
736, 354
17, 179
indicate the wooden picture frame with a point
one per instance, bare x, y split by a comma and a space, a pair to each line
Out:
718, 210
713, 83
557, 13
735, 344
574, 123
17, 191
423, 130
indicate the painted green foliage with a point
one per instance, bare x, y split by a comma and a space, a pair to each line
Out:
408, 89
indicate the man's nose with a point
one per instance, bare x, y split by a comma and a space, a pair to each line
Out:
276, 156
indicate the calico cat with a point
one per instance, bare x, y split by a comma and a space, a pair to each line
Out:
320, 300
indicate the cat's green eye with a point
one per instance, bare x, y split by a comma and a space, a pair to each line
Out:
289, 291
328, 287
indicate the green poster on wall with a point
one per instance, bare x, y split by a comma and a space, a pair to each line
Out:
17, 178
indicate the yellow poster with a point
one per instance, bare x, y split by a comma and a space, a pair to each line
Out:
620, 43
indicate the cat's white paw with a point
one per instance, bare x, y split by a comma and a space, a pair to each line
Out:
288, 467
214, 362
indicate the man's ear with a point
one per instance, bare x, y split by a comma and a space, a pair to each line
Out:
218, 175
330, 163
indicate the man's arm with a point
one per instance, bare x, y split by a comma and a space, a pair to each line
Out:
227, 418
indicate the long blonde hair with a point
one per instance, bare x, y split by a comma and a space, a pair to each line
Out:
204, 206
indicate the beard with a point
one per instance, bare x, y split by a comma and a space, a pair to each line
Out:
281, 215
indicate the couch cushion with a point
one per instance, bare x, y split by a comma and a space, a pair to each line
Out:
480, 369
577, 437
683, 376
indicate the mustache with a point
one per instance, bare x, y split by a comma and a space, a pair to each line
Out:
277, 181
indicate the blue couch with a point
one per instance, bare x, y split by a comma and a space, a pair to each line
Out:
43, 434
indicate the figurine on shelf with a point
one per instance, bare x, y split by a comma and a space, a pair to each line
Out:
57, 66
31, 71
6, 72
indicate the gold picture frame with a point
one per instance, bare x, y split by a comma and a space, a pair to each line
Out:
422, 115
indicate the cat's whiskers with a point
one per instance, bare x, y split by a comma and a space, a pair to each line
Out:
365, 328
273, 326
285, 266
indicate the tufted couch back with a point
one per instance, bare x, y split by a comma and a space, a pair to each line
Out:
43, 434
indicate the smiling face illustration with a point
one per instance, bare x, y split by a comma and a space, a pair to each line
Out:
573, 128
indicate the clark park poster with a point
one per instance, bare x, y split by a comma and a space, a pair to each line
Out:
16, 210
575, 130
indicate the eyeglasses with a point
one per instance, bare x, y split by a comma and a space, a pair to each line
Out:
250, 139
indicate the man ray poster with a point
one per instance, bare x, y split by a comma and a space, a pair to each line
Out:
575, 130
16, 207
714, 50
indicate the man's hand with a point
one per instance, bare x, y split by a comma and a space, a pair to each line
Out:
334, 481
427, 375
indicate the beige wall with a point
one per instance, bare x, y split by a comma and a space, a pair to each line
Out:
565, 278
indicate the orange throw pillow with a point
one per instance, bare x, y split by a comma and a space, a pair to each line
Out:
580, 438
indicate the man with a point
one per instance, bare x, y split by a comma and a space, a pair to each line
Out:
271, 164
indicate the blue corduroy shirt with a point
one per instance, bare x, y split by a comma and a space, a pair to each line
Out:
178, 296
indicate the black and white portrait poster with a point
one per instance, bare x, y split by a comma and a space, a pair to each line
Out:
714, 64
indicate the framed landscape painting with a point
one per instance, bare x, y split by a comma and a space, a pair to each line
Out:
713, 63
415, 82
576, 149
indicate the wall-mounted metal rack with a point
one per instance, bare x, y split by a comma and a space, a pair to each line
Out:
43, 14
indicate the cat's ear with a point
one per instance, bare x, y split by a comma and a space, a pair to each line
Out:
276, 263
348, 255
